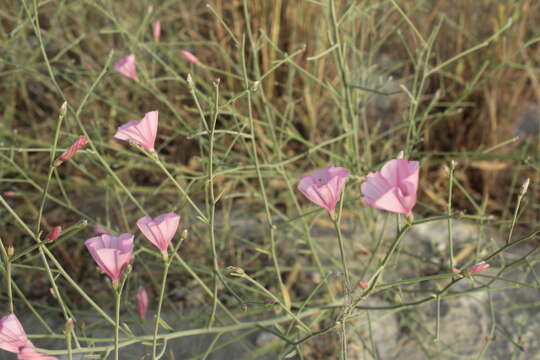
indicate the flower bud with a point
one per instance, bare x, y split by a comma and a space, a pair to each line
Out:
69, 153
525, 186
53, 235
477, 268
456, 271
10, 250
363, 284
235, 271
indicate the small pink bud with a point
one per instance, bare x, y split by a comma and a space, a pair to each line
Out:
190, 57
53, 292
53, 235
363, 284
10, 250
157, 29
477, 268
68, 154
69, 324
142, 302
456, 271
10, 193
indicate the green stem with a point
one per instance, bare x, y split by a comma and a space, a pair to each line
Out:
7, 262
160, 303
342, 253
117, 294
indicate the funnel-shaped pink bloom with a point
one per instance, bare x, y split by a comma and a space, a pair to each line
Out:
190, 57
393, 188
142, 132
142, 302
126, 66
156, 31
324, 186
13, 339
160, 230
111, 253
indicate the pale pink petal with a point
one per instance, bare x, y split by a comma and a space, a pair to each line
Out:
29, 352
142, 132
161, 230
12, 335
324, 186
126, 66
394, 187
112, 254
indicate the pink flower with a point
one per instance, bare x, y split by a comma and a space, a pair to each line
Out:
53, 235
157, 29
68, 154
477, 268
324, 186
190, 57
142, 132
142, 302
111, 253
126, 66
363, 284
456, 271
393, 188
160, 230
13, 339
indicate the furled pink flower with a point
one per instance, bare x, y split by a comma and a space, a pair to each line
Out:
393, 188
324, 186
101, 230
143, 131
126, 66
142, 302
68, 154
157, 29
456, 271
363, 284
54, 234
190, 57
160, 230
478, 268
111, 253
13, 339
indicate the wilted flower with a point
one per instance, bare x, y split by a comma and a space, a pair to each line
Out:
126, 66
324, 186
142, 132
111, 253
142, 302
160, 230
68, 154
393, 188
190, 57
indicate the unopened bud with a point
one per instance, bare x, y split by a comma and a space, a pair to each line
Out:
69, 324
184, 234
525, 186
244, 307
363, 284
10, 193
400, 155
53, 235
478, 268
69, 153
235, 271
10, 250
255, 85
157, 29
437, 93
63, 109
53, 293
189, 80
456, 271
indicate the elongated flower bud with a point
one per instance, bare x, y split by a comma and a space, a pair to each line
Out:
53, 235
68, 154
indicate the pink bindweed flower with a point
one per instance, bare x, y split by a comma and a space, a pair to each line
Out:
54, 234
13, 339
160, 230
393, 188
323, 187
126, 66
478, 268
156, 31
142, 302
142, 132
190, 57
111, 253
68, 154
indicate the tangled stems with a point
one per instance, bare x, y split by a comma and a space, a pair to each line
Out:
117, 297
